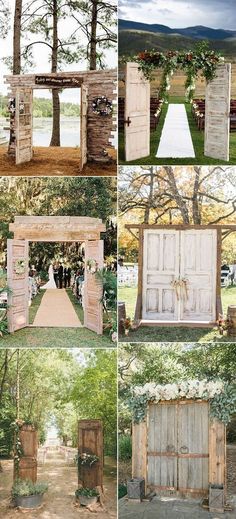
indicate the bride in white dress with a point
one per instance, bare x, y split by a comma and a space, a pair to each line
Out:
51, 282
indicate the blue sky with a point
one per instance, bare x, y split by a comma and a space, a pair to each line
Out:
181, 13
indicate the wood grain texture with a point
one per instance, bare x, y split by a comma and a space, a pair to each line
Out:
217, 120
18, 285
28, 462
217, 453
139, 450
137, 109
90, 440
93, 309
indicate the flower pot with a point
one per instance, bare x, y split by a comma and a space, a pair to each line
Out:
29, 501
85, 500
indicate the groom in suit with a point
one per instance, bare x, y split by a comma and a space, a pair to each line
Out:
60, 275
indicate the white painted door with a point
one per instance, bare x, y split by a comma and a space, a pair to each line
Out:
179, 275
160, 269
217, 116
198, 268
17, 281
83, 125
24, 125
93, 309
137, 113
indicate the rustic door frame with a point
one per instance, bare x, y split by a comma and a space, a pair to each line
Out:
141, 228
217, 450
83, 122
208, 116
44, 229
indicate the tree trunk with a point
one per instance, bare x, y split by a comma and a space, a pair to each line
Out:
17, 38
150, 196
177, 195
93, 38
55, 139
196, 212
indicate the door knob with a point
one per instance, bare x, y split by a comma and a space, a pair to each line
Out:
184, 449
127, 121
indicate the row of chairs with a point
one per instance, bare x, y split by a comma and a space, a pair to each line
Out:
198, 111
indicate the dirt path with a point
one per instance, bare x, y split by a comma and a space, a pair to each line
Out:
56, 310
55, 162
59, 500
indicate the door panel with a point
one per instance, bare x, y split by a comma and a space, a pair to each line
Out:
18, 299
83, 128
193, 450
198, 267
160, 268
217, 120
162, 446
137, 111
93, 311
24, 125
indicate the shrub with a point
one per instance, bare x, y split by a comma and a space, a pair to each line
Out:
125, 447
87, 492
25, 487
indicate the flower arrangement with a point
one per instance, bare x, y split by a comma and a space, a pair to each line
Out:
19, 266
201, 60
102, 106
91, 266
214, 391
85, 459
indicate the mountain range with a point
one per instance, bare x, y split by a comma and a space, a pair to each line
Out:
135, 37
198, 32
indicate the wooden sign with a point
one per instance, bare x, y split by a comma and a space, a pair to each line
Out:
58, 81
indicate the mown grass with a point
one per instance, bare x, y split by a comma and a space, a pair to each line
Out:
198, 143
173, 334
56, 337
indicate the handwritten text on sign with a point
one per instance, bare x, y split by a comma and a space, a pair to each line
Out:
57, 81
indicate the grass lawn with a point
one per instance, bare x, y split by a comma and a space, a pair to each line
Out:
198, 143
173, 334
56, 337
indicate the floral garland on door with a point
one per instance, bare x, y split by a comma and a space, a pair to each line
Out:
201, 60
221, 395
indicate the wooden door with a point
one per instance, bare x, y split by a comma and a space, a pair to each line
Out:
24, 125
83, 125
217, 114
162, 446
193, 453
137, 113
17, 280
90, 441
198, 267
177, 446
93, 309
160, 269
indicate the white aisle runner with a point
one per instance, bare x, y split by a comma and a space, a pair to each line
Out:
176, 140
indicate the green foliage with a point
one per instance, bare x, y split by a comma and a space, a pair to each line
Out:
125, 447
87, 492
223, 406
109, 282
42, 107
24, 488
122, 490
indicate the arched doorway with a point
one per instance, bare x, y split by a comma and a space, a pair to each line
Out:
53, 229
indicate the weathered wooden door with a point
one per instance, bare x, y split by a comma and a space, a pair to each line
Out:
17, 280
217, 114
198, 268
93, 308
90, 441
193, 441
137, 113
179, 275
24, 125
178, 453
160, 268
162, 446
27, 466
83, 125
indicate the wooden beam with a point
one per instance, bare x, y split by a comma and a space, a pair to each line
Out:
219, 308
217, 457
139, 451
139, 302
179, 226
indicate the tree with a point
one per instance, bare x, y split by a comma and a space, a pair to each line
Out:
4, 18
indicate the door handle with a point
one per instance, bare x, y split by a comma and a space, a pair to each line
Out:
184, 449
127, 121
170, 448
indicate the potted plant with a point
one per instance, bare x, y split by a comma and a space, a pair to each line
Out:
87, 496
27, 494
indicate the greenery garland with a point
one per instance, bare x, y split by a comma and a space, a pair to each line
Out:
201, 60
18, 449
222, 397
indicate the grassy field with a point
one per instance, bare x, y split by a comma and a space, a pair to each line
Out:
198, 143
56, 337
173, 334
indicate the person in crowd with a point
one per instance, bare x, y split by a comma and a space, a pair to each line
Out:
60, 275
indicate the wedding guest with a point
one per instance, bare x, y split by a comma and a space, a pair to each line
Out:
60, 275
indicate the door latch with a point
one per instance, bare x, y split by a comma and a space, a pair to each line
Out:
127, 121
